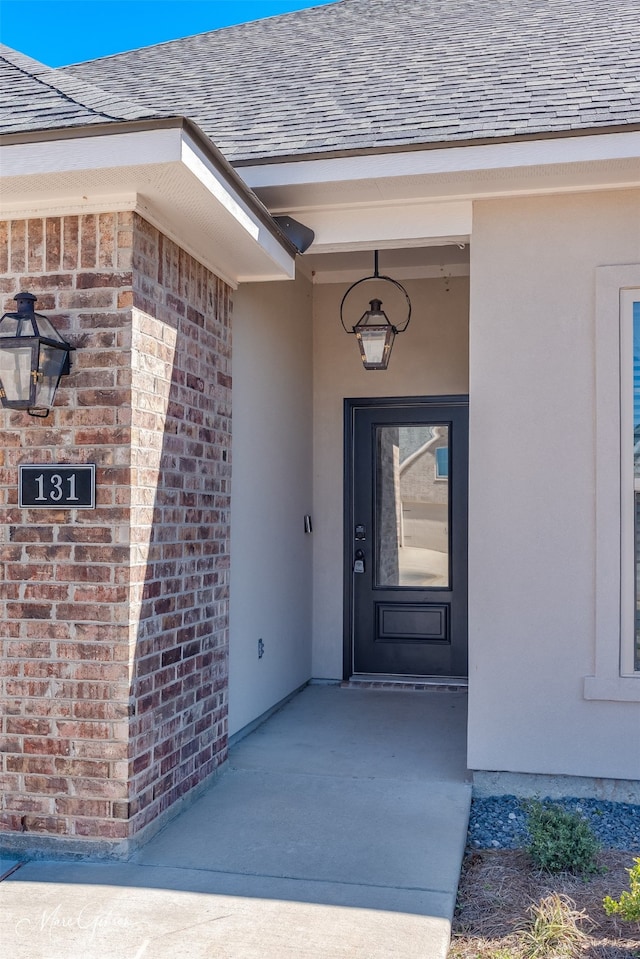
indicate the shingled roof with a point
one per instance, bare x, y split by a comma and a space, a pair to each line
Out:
35, 97
383, 74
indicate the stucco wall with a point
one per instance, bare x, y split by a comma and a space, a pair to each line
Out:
271, 554
532, 512
431, 358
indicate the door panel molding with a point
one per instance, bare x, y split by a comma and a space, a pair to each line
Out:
422, 623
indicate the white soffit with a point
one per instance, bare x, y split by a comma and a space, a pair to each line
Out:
578, 163
166, 176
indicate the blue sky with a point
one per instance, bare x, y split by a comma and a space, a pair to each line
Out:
58, 32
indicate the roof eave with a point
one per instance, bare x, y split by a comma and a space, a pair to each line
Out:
199, 160
424, 146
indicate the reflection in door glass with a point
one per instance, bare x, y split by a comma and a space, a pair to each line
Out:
412, 506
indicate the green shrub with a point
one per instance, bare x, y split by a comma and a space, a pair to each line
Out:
561, 841
628, 905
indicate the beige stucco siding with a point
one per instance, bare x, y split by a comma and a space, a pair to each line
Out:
431, 358
532, 468
271, 493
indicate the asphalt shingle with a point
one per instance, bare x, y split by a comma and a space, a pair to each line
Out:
370, 74
35, 97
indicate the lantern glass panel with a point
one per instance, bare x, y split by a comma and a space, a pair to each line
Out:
50, 364
375, 345
46, 329
15, 373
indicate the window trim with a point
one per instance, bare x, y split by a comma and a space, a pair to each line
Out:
629, 484
616, 286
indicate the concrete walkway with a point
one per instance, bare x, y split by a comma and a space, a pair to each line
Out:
337, 832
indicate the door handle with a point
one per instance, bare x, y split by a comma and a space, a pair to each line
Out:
358, 563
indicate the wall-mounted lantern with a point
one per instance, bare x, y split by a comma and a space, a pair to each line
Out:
374, 330
33, 357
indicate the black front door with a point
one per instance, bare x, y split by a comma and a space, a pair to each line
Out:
406, 540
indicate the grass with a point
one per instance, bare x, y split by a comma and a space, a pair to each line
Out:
553, 928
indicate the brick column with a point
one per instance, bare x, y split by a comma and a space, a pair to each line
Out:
113, 621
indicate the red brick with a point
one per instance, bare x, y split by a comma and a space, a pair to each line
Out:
53, 229
28, 727
28, 611
28, 650
30, 764
28, 805
96, 749
47, 283
45, 591
88, 240
85, 534
107, 239
45, 824
121, 810
36, 571
35, 230
89, 281
4, 250
70, 229
47, 630
101, 554
100, 788
31, 534
93, 808
87, 730
18, 242
97, 829
48, 553
46, 747
46, 784
103, 397
101, 594
84, 613
86, 299
73, 573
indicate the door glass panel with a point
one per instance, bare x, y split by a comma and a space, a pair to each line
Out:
412, 506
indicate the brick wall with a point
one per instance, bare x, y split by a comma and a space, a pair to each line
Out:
113, 621
180, 501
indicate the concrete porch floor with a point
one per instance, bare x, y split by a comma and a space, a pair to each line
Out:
337, 831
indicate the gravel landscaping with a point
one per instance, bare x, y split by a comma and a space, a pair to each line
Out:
499, 822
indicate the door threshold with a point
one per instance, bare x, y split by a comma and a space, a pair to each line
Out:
382, 681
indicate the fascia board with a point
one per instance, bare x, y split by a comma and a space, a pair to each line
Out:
449, 160
230, 199
48, 157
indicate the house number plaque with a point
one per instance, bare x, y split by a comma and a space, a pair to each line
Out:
53, 486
